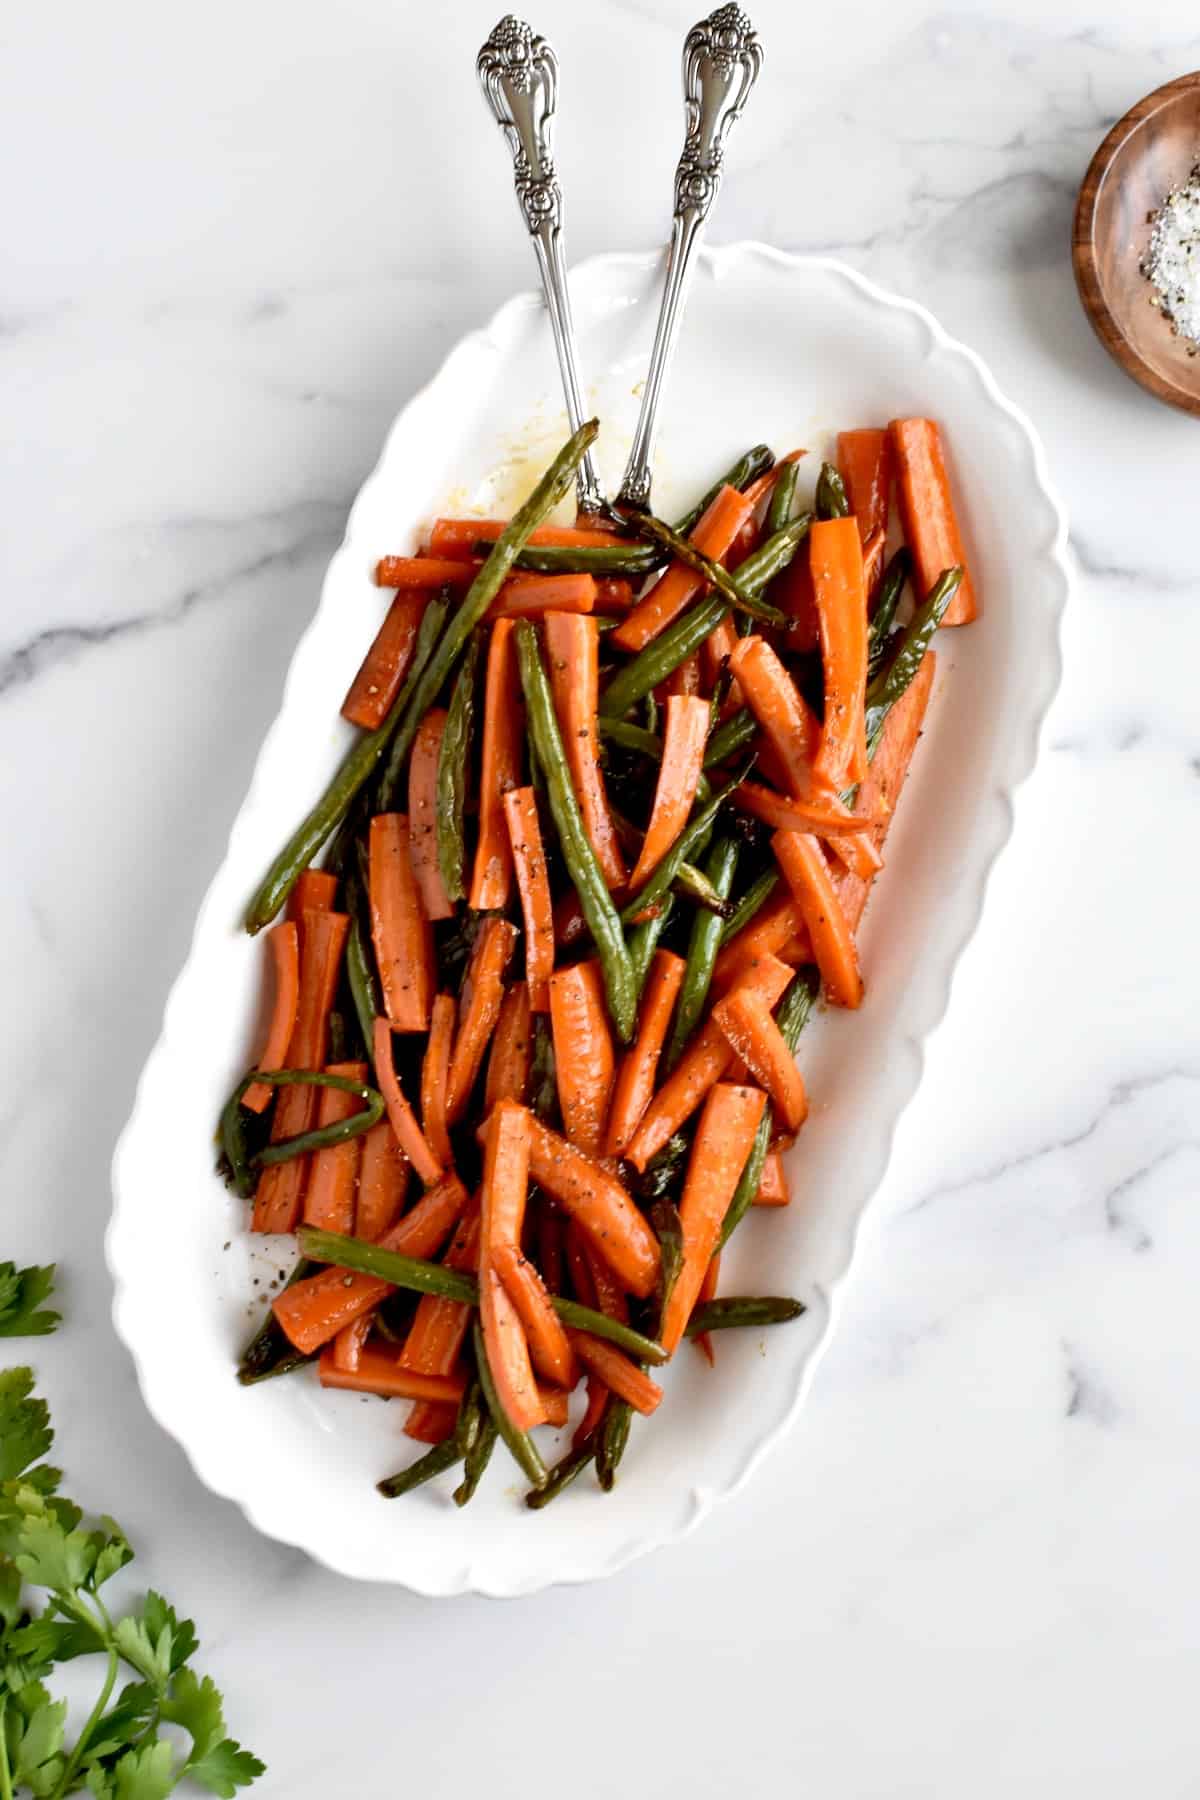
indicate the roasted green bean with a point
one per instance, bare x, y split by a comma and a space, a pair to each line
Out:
665, 870
703, 945
746, 469
716, 574
751, 902
519, 1444
742, 1310
831, 501
434, 1462
454, 760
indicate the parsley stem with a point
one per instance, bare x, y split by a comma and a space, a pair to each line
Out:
6, 1789
94, 1718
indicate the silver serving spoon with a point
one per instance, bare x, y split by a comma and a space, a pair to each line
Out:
518, 72
721, 60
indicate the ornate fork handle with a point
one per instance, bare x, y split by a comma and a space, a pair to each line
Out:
518, 72
721, 60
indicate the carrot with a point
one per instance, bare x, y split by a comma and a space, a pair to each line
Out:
685, 680
678, 775
381, 674
284, 943
639, 1065
746, 1022
505, 1175
715, 652
532, 596
773, 1187
580, 1265
382, 1182
508, 1351
423, 815
873, 551
572, 648
617, 1371
886, 775
400, 927
704, 1063
927, 511
792, 593
529, 859
458, 537
614, 596
592, 1195
570, 926
500, 769
593, 1412
409, 1136
348, 1344
807, 874
720, 1148
584, 1061
281, 1185
413, 573
333, 1172
609, 1294
380, 1372
555, 1402
435, 1067
714, 534
431, 1422
781, 711
837, 567
315, 891
511, 1051
550, 1246
439, 1326
478, 1010
824, 818
549, 1349
765, 935
866, 464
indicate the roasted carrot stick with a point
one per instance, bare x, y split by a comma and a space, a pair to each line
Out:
614, 596
423, 814
549, 1349
617, 1371
590, 1193
773, 1187
281, 1185
841, 595
584, 1060
381, 675
572, 647
720, 1147
886, 776
593, 1412
685, 680
579, 1264
765, 935
511, 1051
435, 1070
746, 1021
555, 1403
927, 510
823, 817
792, 593
399, 926
714, 534
635, 1080
333, 1172
315, 891
403, 1120
380, 1372
505, 1174
780, 709
533, 596
866, 465
414, 573
609, 1294
678, 775
873, 551
508, 1351
478, 1010
348, 1344
529, 860
283, 940
500, 769
550, 1228
431, 1422
382, 1182
439, 1326
807, 874
458, 537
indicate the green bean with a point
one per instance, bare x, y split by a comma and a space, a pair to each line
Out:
325, 1135
519, 1444
614, 1436
454, 761
624, 558
887, 600
651, 710
746, 469
360, 977
476, 1460
471, 1415
564, 1473
715, 573
773, 554
434, 1462
618, 1414
831, 501
602, 918
703, 945
894, 678
663, 1174
543, 1081
791, 1016
691, 883
583, 1318
270, 1351
666, 870
751, 902
736, 1309
731, 736
338, 1050
782, 496
409, 1272
357, 767
236, 1156
643, 940
631, 737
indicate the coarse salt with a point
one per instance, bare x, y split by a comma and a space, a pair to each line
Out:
1172, 262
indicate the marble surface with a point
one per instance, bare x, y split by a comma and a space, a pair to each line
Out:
236, 238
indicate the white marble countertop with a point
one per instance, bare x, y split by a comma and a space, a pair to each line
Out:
236, 238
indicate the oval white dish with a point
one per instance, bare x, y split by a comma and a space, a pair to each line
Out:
776, 348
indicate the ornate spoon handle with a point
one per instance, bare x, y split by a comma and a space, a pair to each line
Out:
518, 72
721, 60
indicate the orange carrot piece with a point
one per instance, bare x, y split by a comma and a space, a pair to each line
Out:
380, 1372
423, 814
400, 927
505, 1185
886, 775
584, 1060
549, 1349
381, 674
614, 596
550, 1246
807, 874
478, 1010
570, 926
746, 1021
281, 1186
435, 1070
333, 1172
787, 723
824, 818
579, 1264
714, 534
873, 551
766, 934
593, 1412
533, 883
715, 652
508, 1351
634, 1087
572, 647
382, 1182
533, 596
678, 775
609, 1294
708, 1291
512, 1049
413, 573
591, 1194
458, 537
431, 1422
439, 1326
927, 510
684, 680
499, 769
773, 1189
719, 1150
555, 1402
866, 464
617, 1371
315, 891
348, 1344
426, 1226
841, 594
283, 941
410, 1137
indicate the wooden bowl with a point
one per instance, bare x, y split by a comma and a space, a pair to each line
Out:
1152, 149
